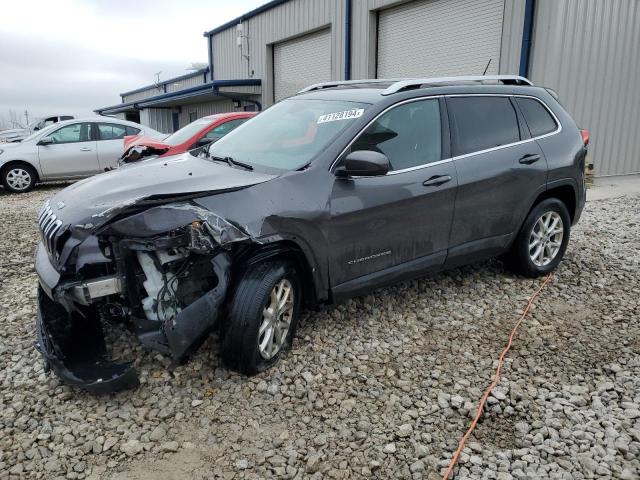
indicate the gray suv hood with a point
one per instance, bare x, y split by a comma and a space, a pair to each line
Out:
96, 199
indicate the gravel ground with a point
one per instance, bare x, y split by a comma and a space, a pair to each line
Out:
382, 386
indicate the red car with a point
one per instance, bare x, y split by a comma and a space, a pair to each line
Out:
197, 134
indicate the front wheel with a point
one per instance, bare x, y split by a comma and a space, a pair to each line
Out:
19, 178
543, 239
263, 316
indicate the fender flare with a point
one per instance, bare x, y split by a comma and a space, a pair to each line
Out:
281, 243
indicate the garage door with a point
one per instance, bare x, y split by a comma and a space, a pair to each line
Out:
301, 62
439, 37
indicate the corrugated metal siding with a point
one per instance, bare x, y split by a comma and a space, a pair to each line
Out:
151, 92
512, 27
300, 62
281, 23
204, 109
185, 83
157, 118
196, 79
363, 40
587, 50
440, 37
364, 48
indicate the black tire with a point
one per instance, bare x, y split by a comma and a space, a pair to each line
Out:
252, 295
9, 180
519, 258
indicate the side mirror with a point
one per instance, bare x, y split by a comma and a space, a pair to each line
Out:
45, 141
363, 163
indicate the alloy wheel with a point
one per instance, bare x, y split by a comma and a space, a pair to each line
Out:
276, 320
546, 238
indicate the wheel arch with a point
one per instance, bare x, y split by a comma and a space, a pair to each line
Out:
294, 250
11, 163
565, 191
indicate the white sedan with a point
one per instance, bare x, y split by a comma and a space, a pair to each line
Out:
67, 150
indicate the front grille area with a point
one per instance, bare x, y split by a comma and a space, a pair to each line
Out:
49, 226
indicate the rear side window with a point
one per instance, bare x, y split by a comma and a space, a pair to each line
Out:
482, 122
537, 116
111, 131
409, 135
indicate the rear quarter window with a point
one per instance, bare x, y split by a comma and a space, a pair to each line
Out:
481, 123
538, 118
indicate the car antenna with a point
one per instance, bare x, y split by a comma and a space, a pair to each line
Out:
487, 67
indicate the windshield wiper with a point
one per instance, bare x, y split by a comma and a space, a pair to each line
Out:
231, 162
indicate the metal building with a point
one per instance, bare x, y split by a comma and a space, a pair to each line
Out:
583, 49
169, 105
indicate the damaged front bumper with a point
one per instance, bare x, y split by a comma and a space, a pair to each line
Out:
168, 289
80, 358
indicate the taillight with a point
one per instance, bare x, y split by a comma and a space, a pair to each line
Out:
585, 136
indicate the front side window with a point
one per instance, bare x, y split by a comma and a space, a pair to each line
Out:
409, 135
481, 123
77, 132
221, 130
111, 131
538, 118
290, 134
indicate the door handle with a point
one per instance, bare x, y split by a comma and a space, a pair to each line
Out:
436, 180
85, 149
529, 159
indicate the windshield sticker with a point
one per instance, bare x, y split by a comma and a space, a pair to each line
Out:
346, 115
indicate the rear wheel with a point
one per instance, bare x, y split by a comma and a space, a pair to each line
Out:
19, 178
263, 317
543, 239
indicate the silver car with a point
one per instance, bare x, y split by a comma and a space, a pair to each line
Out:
67, 150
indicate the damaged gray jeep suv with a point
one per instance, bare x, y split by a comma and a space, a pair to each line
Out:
342, 188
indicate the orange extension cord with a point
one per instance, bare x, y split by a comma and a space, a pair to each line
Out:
496, 379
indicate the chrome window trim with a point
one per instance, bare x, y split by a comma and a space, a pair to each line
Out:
507, 145
450, 159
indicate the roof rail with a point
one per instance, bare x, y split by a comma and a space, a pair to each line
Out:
416, 82
398, 84
337, 83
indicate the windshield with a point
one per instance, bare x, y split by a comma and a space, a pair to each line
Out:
186, 132
290, 134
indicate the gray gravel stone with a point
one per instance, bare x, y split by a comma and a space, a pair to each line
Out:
382, 385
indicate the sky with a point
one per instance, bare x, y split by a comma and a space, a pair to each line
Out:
72, 56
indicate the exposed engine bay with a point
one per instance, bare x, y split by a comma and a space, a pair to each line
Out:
166, 287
